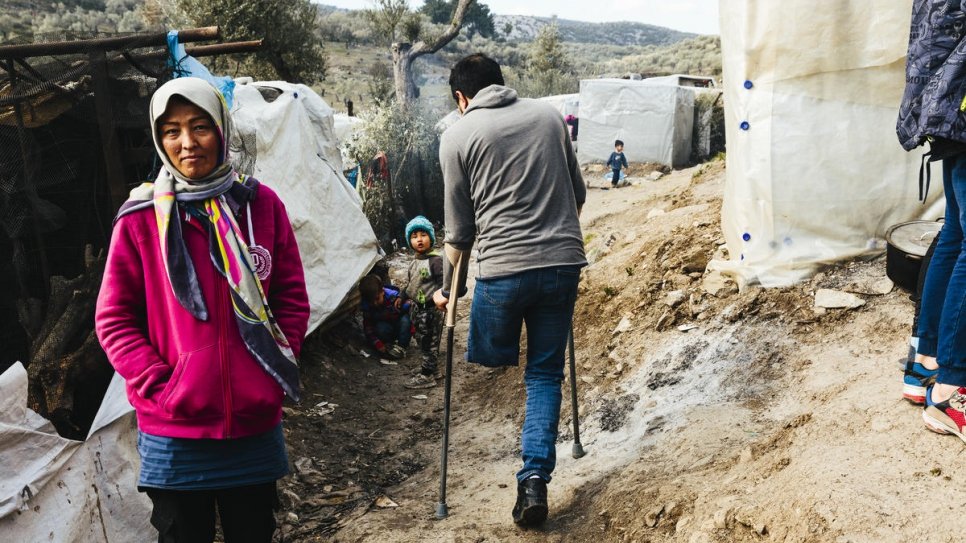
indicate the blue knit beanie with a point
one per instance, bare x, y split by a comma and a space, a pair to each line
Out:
420, 223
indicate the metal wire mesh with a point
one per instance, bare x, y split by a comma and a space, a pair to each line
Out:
55, 179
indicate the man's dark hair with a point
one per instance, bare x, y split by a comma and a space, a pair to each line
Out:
369, 288
618, 142
473, 73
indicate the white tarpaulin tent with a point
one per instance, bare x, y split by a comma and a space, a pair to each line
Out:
344, 126
566, 104
653, 121
57, 489
297, 154
815, 172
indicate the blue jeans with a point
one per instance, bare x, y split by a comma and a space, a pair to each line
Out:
942, 326
395, 332
544, 300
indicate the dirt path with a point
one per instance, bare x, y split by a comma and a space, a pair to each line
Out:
707, 416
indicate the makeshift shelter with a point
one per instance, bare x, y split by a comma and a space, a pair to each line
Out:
58, 489
697, 82
286, 138
654, 121
566, 104
815, 172
345, 126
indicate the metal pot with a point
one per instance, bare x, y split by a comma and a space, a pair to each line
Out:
907, 243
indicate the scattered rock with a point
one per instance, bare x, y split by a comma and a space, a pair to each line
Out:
674, 298
673, 509
724, 519
695, 261
623, 326
874, 286
656, 212
652, 517
716, 284
383, 502
293, 499
836, 299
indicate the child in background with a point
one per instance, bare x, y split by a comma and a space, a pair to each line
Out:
425, 277
615, 162
385, 317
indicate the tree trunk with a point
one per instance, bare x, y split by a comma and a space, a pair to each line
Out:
403, 55
402, 72
67, 371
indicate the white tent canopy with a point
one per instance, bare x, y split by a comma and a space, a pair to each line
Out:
653, 121
296, 153
57, 489
566, 104
814, 170
345, 126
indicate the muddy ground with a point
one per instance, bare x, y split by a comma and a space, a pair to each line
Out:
707, 414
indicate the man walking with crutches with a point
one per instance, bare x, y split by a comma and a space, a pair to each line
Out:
512, 185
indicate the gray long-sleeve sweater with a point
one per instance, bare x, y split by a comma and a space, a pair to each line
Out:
513, 184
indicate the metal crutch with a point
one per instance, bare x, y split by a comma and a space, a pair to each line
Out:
459, 256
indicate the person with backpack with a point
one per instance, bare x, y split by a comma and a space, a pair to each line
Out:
932, 111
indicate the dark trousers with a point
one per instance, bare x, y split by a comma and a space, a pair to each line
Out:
188, 516
429, 329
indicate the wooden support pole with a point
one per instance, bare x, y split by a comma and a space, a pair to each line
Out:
105, 44
105, 125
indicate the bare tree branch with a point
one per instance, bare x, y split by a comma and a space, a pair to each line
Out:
422, 48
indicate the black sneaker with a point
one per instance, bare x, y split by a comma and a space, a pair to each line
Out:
531, 506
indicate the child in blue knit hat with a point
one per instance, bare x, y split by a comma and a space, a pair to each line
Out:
425, 277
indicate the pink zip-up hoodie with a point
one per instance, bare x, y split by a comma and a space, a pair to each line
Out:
188, 378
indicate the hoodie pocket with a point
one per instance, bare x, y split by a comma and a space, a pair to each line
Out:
195, 388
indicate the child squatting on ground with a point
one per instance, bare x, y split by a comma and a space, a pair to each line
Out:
425, 277
385, 317
615, 162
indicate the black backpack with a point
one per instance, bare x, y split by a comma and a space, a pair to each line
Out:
933, 105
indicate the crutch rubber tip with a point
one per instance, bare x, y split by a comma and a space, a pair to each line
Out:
441, 511
578, 451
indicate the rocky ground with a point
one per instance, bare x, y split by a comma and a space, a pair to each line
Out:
708, 414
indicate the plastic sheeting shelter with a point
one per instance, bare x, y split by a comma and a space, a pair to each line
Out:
57, 489
287, 132
654, 121
815, 172
566, 104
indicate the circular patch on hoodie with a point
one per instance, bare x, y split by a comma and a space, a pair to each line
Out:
262, 260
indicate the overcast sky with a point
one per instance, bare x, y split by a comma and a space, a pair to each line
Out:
699, 16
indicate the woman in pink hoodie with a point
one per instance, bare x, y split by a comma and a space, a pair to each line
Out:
202, 311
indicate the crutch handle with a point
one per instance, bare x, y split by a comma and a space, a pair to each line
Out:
457, 259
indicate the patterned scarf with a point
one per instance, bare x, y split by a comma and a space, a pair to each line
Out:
205, 198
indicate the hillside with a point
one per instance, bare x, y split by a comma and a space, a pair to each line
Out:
524, 28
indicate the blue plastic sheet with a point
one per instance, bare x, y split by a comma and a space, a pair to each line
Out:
184, 65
